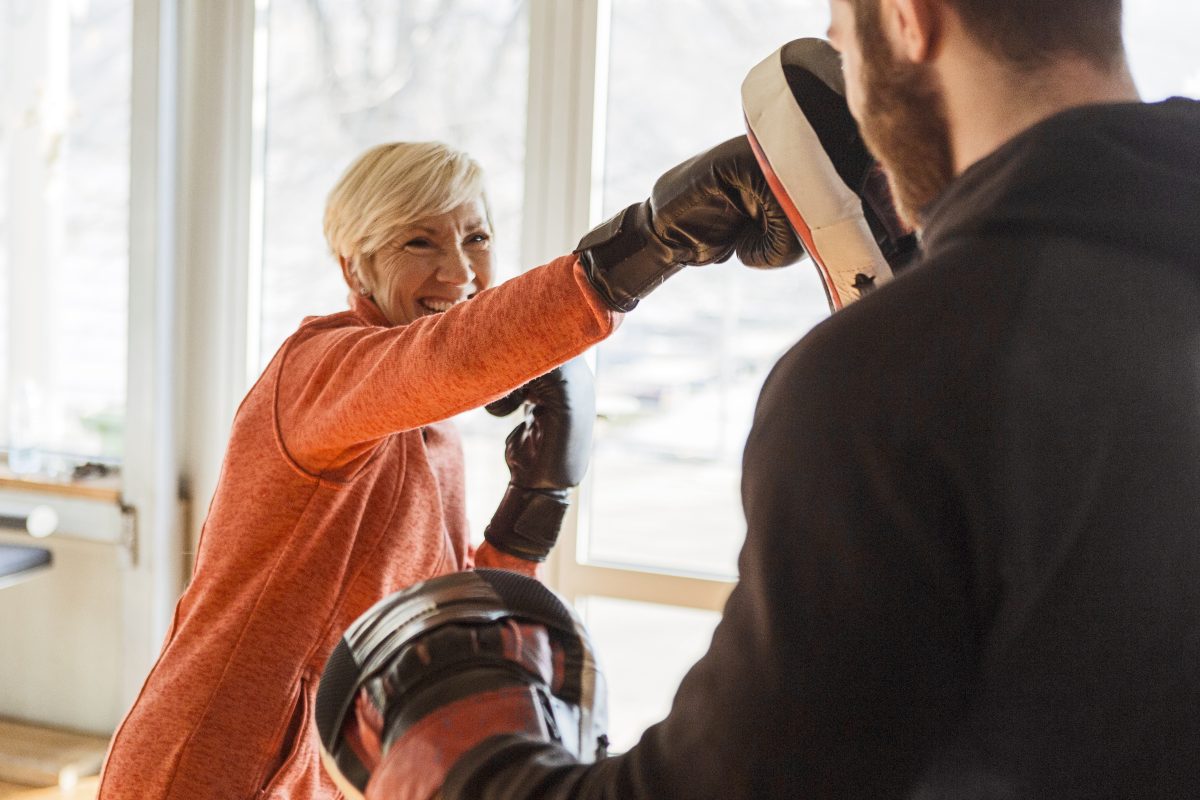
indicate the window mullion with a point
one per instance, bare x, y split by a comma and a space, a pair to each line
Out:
561, 154
560, 129
216, 158
150, 464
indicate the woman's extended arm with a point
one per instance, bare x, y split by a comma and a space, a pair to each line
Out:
342, 389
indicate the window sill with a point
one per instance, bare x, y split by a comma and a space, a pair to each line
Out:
106, 489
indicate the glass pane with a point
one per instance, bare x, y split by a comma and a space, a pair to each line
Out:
344, 75
1160, 36
644, 650
678, 382
64, 218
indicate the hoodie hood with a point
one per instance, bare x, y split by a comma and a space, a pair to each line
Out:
1125, 174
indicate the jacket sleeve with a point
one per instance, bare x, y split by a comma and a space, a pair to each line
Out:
343, 389
845, 644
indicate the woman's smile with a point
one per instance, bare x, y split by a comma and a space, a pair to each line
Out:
437, 306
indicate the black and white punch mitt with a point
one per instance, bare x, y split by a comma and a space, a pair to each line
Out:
833, 191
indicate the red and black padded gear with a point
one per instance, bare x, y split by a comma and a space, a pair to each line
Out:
432, 671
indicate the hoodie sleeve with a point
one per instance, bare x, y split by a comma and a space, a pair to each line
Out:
839, 654
343, 389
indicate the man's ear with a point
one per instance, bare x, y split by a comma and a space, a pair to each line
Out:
915, 28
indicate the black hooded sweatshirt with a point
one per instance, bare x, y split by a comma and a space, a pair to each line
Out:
972, 564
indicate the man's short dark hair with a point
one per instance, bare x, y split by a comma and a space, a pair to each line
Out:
1031, 33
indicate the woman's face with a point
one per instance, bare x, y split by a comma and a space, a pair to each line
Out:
431, 265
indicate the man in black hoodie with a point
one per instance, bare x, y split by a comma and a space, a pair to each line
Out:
972, 566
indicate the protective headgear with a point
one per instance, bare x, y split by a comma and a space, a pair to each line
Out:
430, 672
834, 193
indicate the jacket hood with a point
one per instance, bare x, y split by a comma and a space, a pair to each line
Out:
1132, 179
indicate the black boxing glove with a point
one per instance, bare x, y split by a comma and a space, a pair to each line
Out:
547, 456
701, 212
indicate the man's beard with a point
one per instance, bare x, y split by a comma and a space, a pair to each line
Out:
903, 120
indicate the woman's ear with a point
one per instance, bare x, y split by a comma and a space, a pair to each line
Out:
347, 270
353, 276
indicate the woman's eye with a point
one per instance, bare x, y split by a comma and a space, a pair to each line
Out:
479, 238
418, 243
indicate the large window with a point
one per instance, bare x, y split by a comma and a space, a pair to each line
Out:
64, 219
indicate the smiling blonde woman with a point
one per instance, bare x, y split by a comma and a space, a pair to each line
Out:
343, 479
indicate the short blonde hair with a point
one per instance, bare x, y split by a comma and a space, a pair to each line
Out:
396, 184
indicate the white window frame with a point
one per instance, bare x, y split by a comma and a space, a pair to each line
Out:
150, 491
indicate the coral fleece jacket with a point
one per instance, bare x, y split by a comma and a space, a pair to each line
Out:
341, 484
